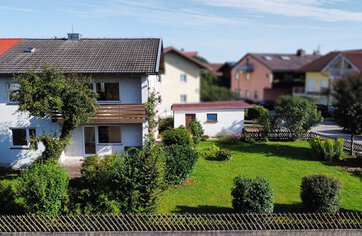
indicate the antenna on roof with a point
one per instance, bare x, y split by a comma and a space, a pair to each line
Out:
72, 29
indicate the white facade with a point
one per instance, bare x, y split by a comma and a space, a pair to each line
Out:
179, 84
132, 90
229, 121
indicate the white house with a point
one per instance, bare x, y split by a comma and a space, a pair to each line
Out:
216, 118
181, 81
123, 71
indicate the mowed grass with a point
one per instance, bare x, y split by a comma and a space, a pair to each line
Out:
283, 164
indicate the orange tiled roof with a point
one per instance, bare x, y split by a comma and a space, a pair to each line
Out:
6, 44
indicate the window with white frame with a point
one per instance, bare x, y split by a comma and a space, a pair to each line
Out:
109, 134
247, 93
21, 137
183, 98
107, 91
183, 78
256, 95
247, 76
13, 89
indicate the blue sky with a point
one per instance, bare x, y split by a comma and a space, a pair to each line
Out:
220, 30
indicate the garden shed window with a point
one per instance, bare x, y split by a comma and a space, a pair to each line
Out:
212, 117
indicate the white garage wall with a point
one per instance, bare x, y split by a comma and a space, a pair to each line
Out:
230, 121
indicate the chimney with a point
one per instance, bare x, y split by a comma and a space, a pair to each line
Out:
73, 36
300, 52
316, 52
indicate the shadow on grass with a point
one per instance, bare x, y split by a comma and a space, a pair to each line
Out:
292, 207
272, 149
203, 209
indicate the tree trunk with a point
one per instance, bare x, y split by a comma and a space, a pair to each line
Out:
352, 145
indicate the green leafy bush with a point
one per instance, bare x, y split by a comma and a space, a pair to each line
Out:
327, 150
122, 184
320, 193
179, 163
179, 136
230, 139
164, 124
246, 138
196, 130
44, 188
209, 153
252, 195
223, 155
9, 204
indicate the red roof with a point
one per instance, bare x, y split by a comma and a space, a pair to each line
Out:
210, 105
6, 44
191, 54
199, 63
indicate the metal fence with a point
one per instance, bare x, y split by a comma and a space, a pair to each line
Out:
181, 222
290, 136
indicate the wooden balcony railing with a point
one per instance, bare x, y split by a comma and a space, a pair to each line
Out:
114, 113
120, 113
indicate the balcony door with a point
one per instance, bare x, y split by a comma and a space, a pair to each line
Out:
89, 140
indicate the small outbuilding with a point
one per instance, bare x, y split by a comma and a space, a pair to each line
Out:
216, 118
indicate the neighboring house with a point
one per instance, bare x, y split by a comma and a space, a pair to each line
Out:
263, 77
181, 81
123, 71
216, 118
223, 72
321, 73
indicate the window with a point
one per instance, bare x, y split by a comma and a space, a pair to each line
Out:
238, 92
247, 77
159, 79
256, 94
247, 93
107, 91
109, 134
21, 136
13, 89
159, 99
183, 78
212, 117
267, 76
183, 98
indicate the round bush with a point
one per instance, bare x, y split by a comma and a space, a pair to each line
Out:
252, 195
179, 163
180, 136
223, 155
44, 188
320, 193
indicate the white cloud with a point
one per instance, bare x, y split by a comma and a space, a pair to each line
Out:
322, 10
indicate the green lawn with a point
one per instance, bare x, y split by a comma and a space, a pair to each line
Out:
282, 164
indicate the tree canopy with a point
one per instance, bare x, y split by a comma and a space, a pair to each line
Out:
42, 94
212, 91
348, 104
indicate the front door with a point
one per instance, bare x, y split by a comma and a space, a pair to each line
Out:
89, 140
188, 118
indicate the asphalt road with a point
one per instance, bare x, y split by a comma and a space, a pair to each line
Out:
330, 128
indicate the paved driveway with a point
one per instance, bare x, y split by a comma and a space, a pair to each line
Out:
330, 128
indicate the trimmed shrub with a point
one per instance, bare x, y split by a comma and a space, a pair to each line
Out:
320, 193
196, 131
44, 188
230, 139
223, 155
9, 204
179, 163
209, 153
246, 138
164, 124
252, 195
179, 136
327, 150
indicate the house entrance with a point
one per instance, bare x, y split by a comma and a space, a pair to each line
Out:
89, 140
188, 118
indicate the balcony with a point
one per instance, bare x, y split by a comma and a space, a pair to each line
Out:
338, 73
246, 68
114, 113
120, 113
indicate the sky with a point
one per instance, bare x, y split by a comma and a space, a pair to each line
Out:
220, 30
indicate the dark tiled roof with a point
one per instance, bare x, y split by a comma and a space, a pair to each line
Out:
128, 56
284, 62
197, 62
320, 63
210, 106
